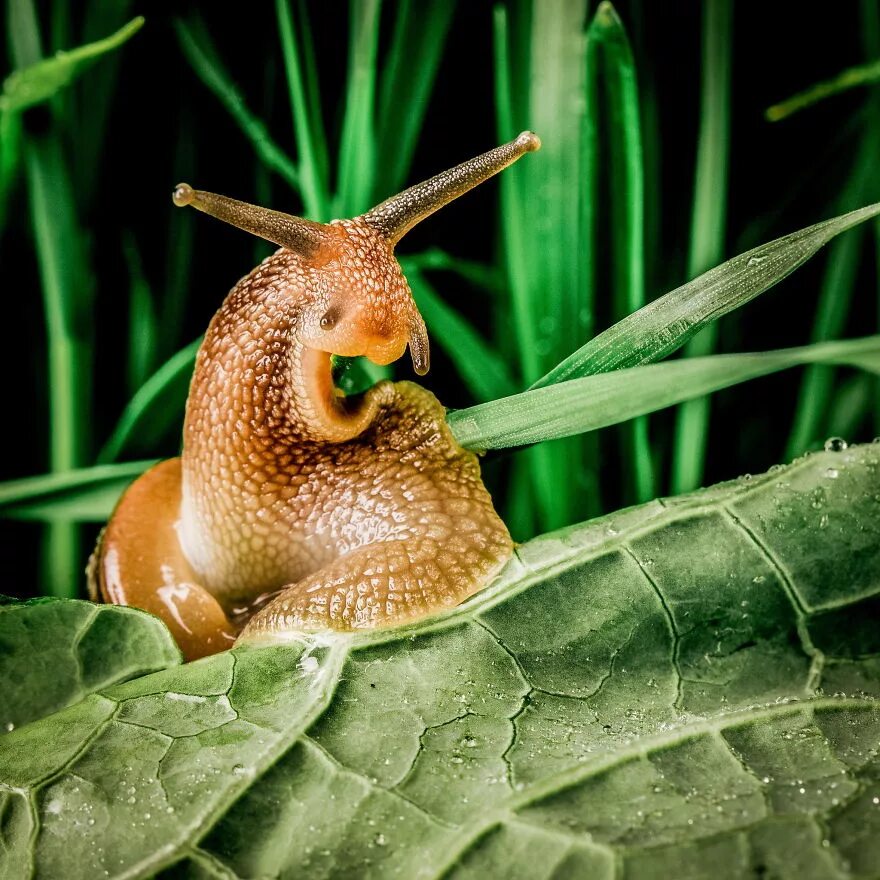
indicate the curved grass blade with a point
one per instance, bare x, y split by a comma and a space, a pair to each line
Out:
199, 51
613, 63
357, 147
408, 76
479, 365
477, 273
313, 181
142, 320
851, 78
708, 225
84, 495
667, 323
540, 64
67, 297
157, 405
40, 81
593, 402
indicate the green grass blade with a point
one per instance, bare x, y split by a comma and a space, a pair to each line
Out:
154, 409
142, 327
615, 66
313, 92
42, 79
708, 226
357, 147
609, 398
65, 298
851, 406
514, 225
667, 323
851, 78
540, 85
477, 273
870, 31
314, 185
24, 33
481, 368
179, 262
67, 293
199, 51
408, 76
817, 388
10, 159
833, 307
85, 495
94, 97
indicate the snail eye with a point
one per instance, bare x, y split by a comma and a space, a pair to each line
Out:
329, 319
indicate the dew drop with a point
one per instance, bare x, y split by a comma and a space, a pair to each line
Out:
835, 444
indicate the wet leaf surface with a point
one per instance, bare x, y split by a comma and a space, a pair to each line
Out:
682, 689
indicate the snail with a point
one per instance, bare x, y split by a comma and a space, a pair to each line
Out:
293, 508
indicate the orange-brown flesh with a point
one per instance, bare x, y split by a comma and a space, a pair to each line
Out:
293, 509
139, 562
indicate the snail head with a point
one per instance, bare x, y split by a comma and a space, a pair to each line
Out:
352, 296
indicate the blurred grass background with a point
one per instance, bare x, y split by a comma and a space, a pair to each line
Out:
658, 163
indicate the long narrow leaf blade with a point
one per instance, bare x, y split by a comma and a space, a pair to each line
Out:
357, 147
38, 82
157, 405
708, 225
84, 495
614, 63
852, 77
407, 79
314, 183
196, 45
667, 323
597, 401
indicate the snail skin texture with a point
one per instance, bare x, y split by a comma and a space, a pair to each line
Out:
292, 508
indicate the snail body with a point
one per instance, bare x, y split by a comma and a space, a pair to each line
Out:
293, 508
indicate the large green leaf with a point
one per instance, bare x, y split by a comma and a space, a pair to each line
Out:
681, 689
53, 653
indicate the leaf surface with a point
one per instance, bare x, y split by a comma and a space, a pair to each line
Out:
679, 686
54, 653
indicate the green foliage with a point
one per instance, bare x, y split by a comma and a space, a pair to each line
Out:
665, 691
57, 652
598, 401
708, 224
42, 80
